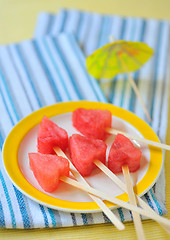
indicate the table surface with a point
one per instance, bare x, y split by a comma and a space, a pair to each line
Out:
18, 18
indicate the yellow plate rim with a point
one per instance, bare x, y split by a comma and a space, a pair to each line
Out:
14, 139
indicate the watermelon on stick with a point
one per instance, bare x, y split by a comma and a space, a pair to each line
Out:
123, 152
96, 123
123, 156
84, 151
49, 136
92, 122
47, 169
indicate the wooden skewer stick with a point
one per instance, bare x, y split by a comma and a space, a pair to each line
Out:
112, 199
133, 84
118, 224
132, 199
142, 140
122, 186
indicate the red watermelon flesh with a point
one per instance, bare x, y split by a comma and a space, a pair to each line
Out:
47, 169
92, 122
123, 152
49, 136
83, 151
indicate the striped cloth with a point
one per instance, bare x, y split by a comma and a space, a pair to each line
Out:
41, 72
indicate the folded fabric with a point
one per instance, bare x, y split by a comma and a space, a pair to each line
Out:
93, 30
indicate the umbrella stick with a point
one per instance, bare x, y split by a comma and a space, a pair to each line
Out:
122, 186
133, 84
113, 218
132, 199
142, 140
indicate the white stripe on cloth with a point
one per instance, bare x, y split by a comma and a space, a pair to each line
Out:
56, 60
57, 24
43, 19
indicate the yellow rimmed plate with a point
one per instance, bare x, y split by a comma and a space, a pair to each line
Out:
22, 140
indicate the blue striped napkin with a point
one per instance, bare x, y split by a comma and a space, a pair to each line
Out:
56, 64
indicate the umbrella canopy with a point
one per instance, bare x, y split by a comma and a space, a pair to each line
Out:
118, 57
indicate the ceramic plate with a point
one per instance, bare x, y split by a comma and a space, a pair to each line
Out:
22, 140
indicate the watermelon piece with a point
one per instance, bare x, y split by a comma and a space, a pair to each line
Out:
123, 152
47, 169
49, 136
83, 151
92, 122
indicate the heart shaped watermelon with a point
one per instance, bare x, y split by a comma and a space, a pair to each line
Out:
47, 169
49, 136
123, 152
92, 122
83, 151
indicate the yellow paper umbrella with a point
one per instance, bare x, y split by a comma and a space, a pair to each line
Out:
120, 57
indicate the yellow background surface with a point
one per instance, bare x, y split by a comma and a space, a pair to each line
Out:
17, 22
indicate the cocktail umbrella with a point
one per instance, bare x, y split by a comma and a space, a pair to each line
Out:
120, 57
